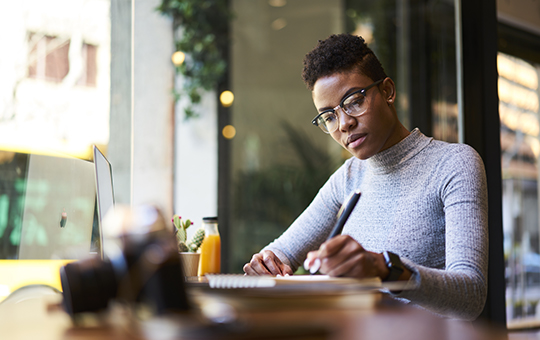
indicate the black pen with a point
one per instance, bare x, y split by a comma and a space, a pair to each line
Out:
339, 225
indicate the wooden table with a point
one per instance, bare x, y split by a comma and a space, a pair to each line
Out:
34, 313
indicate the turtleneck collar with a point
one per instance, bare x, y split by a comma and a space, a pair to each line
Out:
385, 161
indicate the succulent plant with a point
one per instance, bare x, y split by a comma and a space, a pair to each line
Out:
196, 241
182, 247
185, 245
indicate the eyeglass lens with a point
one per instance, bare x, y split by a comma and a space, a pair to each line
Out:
354, 105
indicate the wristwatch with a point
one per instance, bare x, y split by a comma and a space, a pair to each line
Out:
394, 265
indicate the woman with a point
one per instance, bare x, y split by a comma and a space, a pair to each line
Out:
422, 215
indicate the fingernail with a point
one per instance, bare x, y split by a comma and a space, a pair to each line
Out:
316, 266
306, 264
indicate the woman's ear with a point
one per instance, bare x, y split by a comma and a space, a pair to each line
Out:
389, 90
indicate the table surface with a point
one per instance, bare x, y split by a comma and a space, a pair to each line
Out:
35, 313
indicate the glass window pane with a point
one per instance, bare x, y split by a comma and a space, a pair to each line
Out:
54, 99
442, 70
278, 159
520, 147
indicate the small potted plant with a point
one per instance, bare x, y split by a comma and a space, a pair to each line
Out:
188, 249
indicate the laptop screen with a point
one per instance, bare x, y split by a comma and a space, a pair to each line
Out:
104, 189
46, 206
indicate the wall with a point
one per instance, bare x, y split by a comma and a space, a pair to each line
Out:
142, 116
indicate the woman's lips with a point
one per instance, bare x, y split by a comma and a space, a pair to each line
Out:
355, 140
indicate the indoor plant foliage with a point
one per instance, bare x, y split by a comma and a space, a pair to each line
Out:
202, 27
185, 245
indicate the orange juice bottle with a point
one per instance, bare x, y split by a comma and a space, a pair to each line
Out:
210, 261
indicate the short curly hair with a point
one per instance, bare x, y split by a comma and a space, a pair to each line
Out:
341, 53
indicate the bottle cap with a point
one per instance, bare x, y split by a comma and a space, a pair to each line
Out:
210, 219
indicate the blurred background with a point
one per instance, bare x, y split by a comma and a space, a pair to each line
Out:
74, 73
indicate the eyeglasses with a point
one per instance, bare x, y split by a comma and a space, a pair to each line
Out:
354, 105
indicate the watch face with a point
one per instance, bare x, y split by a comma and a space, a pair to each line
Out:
391, 259
394, 266
387, 258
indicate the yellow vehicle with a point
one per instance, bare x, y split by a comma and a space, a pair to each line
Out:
15, 274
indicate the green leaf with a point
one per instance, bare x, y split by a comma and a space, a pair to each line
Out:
187, 223
177, 221
181, 235
204, 24
182, 247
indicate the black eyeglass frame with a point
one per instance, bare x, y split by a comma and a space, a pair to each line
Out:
362, 91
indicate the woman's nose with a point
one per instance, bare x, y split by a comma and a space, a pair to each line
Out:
345, 121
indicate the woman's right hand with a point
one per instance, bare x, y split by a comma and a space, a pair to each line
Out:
267, 263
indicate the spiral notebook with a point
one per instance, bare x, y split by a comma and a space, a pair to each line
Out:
233, 281
246, 293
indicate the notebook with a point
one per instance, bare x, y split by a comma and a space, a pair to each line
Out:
231, 281
104, 190
245, 293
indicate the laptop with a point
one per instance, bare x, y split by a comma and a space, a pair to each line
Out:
104, 190
58, 209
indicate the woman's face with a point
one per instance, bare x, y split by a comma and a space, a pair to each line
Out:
375, 130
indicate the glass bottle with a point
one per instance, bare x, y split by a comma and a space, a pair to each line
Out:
210, 261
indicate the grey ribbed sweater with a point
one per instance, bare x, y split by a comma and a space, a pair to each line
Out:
423, 199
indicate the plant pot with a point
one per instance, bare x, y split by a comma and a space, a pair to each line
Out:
190, 263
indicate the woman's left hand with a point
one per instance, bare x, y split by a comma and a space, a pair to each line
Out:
343, 256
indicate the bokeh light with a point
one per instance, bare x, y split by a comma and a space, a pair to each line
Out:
226, 98
178, 58
229, 132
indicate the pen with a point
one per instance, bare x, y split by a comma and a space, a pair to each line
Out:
343, 215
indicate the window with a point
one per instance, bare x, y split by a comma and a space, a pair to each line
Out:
54, 99
520, 148
50, 59
278, 160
